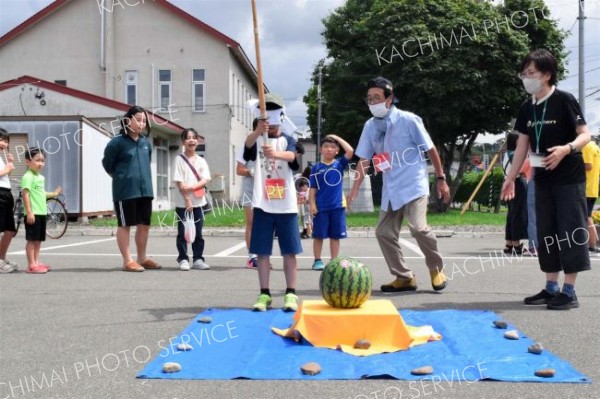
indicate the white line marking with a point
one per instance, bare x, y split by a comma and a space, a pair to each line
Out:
230, 250
411, 246
500, 258
44, 249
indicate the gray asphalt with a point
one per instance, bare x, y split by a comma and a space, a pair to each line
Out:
88, 328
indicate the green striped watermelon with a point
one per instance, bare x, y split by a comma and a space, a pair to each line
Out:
345, 283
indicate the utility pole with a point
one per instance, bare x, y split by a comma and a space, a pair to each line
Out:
319, 103
581, 19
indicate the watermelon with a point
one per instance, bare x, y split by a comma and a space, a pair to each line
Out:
345, 283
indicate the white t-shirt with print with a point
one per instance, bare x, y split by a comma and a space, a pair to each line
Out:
4, 180
183, 173
280, 170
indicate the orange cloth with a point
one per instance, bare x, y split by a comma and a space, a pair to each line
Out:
377, 321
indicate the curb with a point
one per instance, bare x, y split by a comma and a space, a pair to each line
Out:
440, 232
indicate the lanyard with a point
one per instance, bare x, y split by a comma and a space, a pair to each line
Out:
538, 128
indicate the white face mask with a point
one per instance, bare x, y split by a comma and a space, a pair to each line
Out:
378, 110
532, 85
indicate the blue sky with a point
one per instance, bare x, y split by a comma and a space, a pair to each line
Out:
291, 43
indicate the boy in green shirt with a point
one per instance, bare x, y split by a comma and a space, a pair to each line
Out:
34, 199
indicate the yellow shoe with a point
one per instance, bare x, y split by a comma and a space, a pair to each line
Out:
400, 285
438, 279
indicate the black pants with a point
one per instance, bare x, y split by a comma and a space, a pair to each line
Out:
198, 244
516, 217
563, 240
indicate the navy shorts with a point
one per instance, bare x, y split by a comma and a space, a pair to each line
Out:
330, 224
590, 205
264, 226
7, 205
37, 230
134, 211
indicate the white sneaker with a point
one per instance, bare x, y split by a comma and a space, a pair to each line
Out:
7, 267
184, 265
199, 264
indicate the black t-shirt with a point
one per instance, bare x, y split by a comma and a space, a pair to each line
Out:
563, 115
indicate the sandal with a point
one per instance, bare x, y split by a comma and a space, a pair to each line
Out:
518, 249
36, 269
150, 265
48, 267
508, 249
133, 266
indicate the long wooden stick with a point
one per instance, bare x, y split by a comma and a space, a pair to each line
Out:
261, 91
485, 175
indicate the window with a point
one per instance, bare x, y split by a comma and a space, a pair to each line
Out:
165, 89
61, 82
162, 170
244, 109
237, 100
131, 85
201, 150
249, 111
198, 90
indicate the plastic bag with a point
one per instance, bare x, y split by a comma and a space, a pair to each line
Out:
189, 226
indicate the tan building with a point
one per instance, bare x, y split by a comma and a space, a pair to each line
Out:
148, 53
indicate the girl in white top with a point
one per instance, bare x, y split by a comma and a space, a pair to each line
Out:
191, 174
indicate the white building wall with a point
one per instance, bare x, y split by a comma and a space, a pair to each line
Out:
241, 89
21, 101
96, 184
144, 38
65, 45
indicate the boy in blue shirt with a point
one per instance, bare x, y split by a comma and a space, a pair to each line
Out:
326, 197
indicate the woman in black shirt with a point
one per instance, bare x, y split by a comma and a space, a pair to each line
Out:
552, 129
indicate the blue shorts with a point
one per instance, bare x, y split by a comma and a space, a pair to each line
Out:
264, 226
330, 224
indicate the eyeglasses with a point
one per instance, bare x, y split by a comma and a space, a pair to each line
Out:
370, 100
527, 74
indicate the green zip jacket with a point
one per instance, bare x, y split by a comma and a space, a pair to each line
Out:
128, 163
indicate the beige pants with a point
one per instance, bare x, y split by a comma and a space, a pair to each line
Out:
388, 234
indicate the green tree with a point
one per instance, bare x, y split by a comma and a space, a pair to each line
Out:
453, 63
533, 16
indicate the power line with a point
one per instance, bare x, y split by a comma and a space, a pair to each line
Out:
572, 26
587, 44
592, 93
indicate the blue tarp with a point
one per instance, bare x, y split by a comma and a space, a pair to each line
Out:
239, 343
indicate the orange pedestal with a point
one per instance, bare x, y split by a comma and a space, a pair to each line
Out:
377, 321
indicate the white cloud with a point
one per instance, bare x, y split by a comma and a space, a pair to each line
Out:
291, 42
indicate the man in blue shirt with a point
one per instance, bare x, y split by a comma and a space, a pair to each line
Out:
395, 141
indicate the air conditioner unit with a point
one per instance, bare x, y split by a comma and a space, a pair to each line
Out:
217, 184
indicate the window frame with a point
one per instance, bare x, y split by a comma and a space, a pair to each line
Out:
160, 83
161, 146
126, 85
194, 84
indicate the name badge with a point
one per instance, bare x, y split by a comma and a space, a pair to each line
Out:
535, 160
275, 189
381, 162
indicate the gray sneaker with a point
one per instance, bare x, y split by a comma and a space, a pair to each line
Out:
7, 267
199, 264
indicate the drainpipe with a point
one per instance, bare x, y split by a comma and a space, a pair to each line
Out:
102, 37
